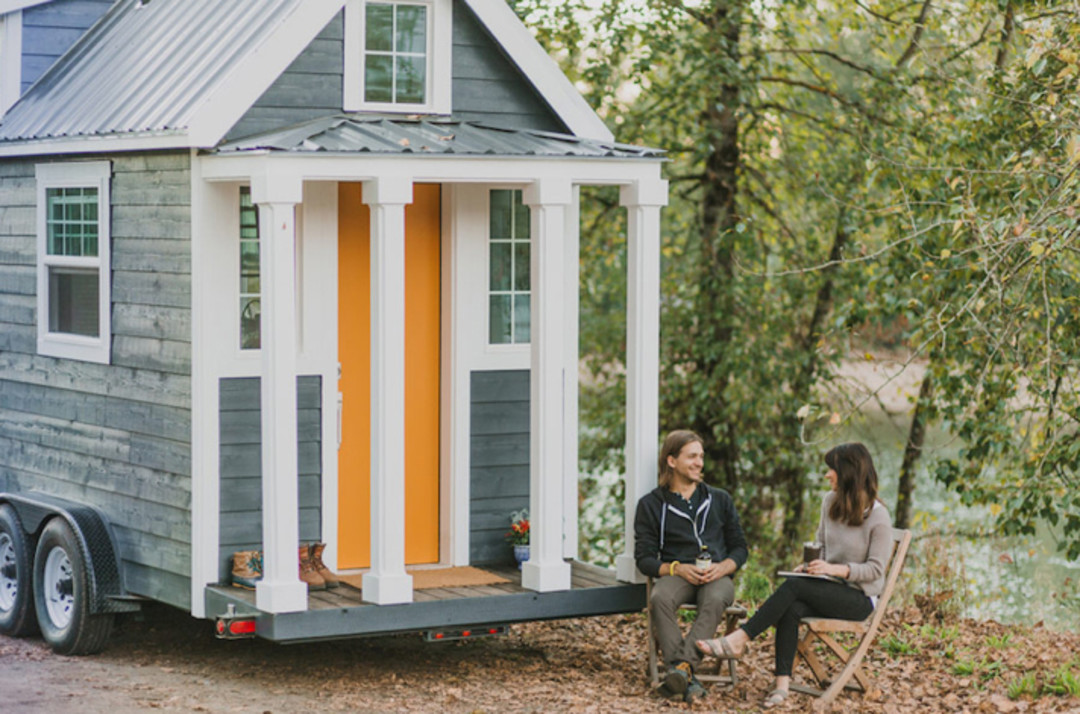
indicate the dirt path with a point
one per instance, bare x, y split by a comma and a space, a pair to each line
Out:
172, 663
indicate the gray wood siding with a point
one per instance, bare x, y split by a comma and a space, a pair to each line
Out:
498, 460
117, 436
49, 30
487, 86
241, 465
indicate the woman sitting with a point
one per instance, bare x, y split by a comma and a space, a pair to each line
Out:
856, 531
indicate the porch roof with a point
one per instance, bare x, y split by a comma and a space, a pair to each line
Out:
352, 134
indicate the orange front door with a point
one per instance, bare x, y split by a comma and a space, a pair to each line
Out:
420, 462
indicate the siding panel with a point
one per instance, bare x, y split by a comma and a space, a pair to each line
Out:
50, 29
240, 465
498, 460
116, 436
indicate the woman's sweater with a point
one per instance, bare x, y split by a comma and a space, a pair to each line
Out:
865, 548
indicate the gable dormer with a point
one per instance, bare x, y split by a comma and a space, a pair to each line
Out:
33, 34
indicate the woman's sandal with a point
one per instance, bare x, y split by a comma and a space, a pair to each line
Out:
775, 698
719, 648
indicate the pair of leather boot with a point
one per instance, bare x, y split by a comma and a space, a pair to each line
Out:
247, 568
312, 569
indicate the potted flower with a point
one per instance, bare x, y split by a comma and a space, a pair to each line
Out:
518, 535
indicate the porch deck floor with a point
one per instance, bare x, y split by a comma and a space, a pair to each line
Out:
341, 612
582, 576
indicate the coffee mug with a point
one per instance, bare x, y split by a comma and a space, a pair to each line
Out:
811, 551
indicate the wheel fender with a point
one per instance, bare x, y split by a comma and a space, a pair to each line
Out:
97, 544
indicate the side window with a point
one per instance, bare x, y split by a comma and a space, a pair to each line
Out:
508, 269
397, 56
73, 277
250, 304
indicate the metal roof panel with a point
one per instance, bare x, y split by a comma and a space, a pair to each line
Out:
378, 135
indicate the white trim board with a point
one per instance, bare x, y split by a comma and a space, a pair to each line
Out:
10, 59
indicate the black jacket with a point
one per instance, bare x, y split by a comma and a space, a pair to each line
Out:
664, 531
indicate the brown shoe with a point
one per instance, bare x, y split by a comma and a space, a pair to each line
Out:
308, 574
320, 567
246, 568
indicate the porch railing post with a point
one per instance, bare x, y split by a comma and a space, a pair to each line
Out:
280, 589
546, 570
387, 582
643, 200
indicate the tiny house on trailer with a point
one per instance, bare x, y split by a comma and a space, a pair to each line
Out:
283, 271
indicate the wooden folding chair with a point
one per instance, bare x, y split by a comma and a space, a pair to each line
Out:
821, 629
732, 615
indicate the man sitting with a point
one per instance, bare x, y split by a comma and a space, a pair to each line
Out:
676, 523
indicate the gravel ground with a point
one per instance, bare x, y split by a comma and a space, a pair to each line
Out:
170, 662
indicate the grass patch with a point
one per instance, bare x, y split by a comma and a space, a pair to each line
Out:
897, 646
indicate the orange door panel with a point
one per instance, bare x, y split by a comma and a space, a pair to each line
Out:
421, 460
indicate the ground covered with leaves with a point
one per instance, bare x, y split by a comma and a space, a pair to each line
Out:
169, 662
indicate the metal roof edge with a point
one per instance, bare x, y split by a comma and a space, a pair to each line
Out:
60, 146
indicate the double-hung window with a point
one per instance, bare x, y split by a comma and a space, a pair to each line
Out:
397, 56
73, 299
509, 294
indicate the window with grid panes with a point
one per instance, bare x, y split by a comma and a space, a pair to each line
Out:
250, 288
72, 231
508, 269
398, 56
395, 52
73, 260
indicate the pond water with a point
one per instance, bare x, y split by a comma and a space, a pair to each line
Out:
1020, 579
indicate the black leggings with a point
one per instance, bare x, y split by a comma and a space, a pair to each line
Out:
797, 598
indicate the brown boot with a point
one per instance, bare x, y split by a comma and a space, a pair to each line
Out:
246, 568
320, 567
308, 574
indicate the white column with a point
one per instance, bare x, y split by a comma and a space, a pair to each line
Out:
546, 570
643, 200
387, 582
280, 589
572, 281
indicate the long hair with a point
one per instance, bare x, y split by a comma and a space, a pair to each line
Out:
856, 483
673, 444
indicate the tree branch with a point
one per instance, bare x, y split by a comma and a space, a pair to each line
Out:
831, 55
920, 27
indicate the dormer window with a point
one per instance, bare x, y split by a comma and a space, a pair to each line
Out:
397, 56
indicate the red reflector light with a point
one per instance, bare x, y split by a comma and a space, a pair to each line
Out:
220, 627
242, 627
438, 635
466, 633
493, 631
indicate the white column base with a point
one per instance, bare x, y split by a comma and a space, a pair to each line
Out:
387, 589
626, 569
281, 596
545, 577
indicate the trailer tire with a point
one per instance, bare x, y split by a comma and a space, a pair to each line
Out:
16, 592
62, 594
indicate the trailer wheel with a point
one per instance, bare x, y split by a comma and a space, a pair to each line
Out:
62, 594
16, 593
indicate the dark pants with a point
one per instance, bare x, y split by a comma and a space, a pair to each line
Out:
797, 598
712, 600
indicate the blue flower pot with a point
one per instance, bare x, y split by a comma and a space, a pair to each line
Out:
521, 554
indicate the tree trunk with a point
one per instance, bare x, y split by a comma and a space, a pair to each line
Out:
912, 452
719, 216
